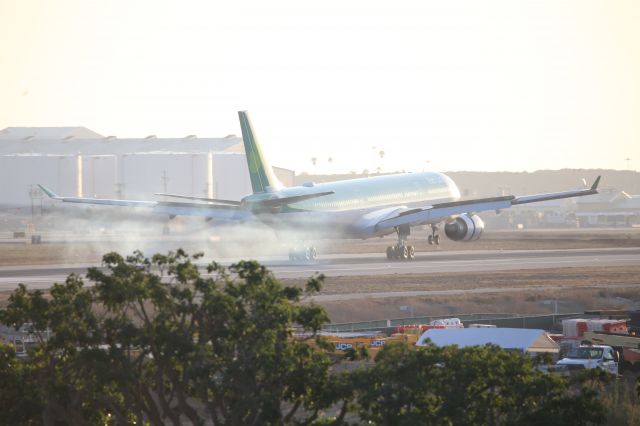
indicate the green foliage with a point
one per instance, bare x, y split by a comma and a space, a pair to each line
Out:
17, 398
154, 340
469, 386
622, 401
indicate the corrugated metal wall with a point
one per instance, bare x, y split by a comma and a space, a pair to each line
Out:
136, 176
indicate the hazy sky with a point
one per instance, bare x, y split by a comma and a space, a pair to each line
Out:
446, 85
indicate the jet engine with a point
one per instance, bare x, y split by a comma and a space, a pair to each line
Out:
464, 228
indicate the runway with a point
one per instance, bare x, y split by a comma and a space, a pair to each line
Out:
43, 276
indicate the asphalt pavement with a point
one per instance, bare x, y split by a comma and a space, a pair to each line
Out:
43, 276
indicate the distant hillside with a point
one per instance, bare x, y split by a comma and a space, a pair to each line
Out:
482, 184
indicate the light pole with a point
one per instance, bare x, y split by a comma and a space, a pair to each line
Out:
407, 308
93, 175
35, 194
32, 196
164, 179
193, 179
553, 302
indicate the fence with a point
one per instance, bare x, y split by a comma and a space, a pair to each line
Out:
545, 322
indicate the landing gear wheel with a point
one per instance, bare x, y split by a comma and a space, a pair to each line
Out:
430, 239
396, 253
436, 240
390, 252
311, 254
404, 252
295, 254
401, 250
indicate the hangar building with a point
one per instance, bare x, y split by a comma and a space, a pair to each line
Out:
76, 161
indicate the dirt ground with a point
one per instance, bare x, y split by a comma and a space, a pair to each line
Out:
536, 292
574, 289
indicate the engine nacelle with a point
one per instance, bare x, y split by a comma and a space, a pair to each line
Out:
464, 228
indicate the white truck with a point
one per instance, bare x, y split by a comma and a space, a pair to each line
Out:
591, 356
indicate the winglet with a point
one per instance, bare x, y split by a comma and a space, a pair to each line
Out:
594, 187
50, 193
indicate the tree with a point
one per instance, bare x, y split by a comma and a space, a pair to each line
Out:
18, 398
155, 341
469, 386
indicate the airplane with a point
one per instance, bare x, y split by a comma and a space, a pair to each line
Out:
357, 208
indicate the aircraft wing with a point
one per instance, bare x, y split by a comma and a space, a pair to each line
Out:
170, 208
439, 212
209, 200
214, 209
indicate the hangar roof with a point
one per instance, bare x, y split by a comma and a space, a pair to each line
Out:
58, 141
48, 133
526, 340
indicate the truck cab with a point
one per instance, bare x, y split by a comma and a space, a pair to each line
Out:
591, 356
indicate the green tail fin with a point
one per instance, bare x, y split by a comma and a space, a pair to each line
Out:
262, 177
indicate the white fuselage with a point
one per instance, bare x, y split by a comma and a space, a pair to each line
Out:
357, 205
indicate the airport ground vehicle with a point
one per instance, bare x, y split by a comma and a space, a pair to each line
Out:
618, 334
627, 346
22, 339
591, 356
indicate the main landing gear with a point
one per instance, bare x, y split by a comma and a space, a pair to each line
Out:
308, 254
401, 250
434, 237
